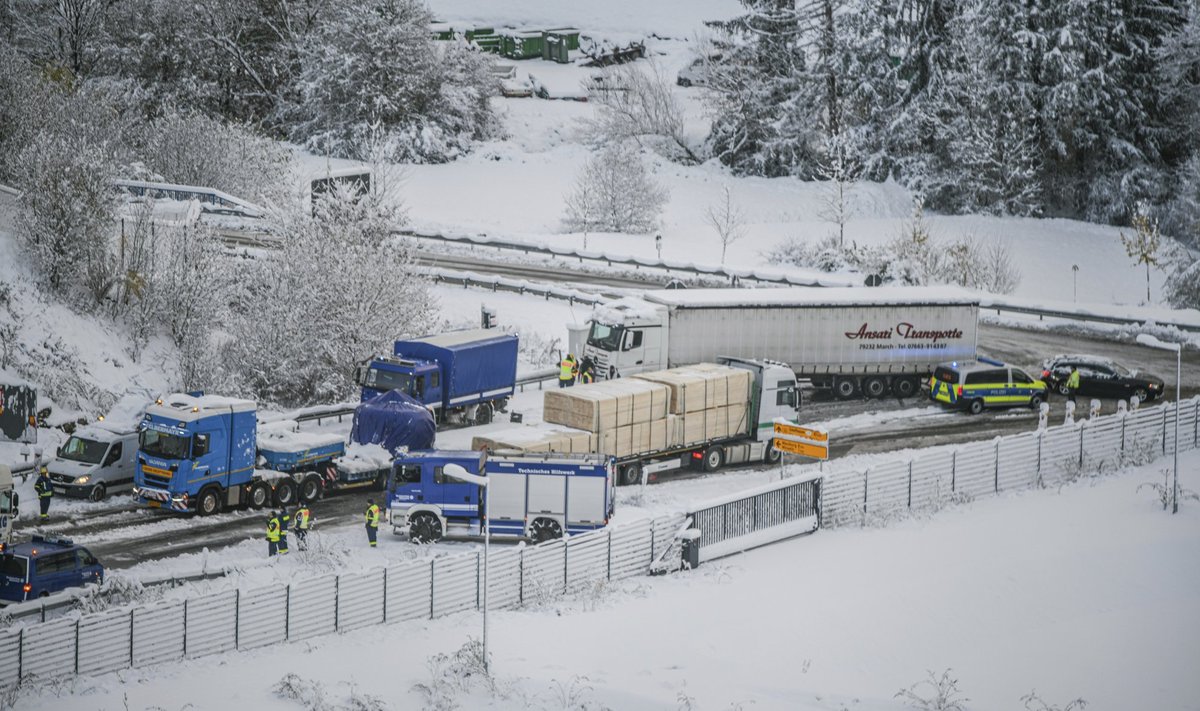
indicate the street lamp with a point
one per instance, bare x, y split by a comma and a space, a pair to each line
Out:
1147, 340
455, 471
1074, 282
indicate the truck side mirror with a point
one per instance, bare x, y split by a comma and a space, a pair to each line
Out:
793, 398
199, 445
16, 502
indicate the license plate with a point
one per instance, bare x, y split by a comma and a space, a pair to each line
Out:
154, 504
59, 489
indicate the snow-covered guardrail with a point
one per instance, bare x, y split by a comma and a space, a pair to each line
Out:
1182, 319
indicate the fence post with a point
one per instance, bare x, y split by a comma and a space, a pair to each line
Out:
1164, 437
385, 586
185, 616
521, 575
1124, 421
131, 638
287, 613
954, 472
566, 562
237, 618
477, 557
1041, 438
21, 653
910, 483
866, 477
724, 527
608, 564
996, 469
432, 569
1082, 427
337, 602
77, 645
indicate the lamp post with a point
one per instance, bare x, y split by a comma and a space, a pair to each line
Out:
1074, 282
455, 471
1147, 340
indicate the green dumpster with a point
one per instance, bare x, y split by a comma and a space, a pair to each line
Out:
555, 49
521, 45
569, 33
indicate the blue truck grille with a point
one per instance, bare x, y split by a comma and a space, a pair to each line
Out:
159, 482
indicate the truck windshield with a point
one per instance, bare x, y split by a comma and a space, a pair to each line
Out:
6, 506
79, 449
605, 337
161, 444
13, 566
388, 380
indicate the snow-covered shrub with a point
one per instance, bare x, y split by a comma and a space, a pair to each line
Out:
340, 290
117, 591
939, 692
198, 150
1033, 702
614, 193
1165, 492
634, 102
452, 674
571, 695
372, 66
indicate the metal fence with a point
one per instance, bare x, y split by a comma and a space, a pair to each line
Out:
1044, 458
753, 518
245, 619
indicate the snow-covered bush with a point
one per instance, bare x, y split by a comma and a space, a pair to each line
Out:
373, 66
340, 290
198, 150
1033, 702
634, 102
939, 692
452, 674
1165, 492
614, 193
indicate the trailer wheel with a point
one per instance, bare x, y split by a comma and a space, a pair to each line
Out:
260, 494
714, 457
631, 474
773, 455
874, 387
845, 388
545, 529
311, 488
209, 502
285, 492
904, 387
424, 528
483, 413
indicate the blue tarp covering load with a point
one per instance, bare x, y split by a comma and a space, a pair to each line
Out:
393, 420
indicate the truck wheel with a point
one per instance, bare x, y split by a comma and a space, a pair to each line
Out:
483, 413
424, 528
773, 455
97, 493
904, 387
1036, 401
845, 388
975, 407
209, 502
285, 492
260, 494
714, 457
545, 529
631, 474
874, 387
311, 488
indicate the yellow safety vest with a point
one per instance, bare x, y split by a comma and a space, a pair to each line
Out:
565, 370
1073, 379
373, 516
302, 516
273, 530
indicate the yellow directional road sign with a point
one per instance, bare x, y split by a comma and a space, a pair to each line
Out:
782, 428
802, 448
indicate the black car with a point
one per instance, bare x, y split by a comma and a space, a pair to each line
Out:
1100, 377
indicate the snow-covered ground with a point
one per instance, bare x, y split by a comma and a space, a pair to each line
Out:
1087, 592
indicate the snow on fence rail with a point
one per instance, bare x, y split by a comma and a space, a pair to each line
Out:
1032, 459
247, 619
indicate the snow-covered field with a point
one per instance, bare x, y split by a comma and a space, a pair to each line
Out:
1087, 592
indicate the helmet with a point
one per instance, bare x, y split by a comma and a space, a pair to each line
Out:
44, 470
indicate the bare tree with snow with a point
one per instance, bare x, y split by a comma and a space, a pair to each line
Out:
841, 171
635, 102
615, 193
727, 219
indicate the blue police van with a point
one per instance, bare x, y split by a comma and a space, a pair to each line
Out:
44, 565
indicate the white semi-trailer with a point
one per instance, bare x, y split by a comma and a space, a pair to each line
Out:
854, 340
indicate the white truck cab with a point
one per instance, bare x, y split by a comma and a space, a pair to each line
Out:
95, 462
8, 506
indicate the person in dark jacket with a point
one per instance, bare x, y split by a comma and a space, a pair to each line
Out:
44, 491
284, 518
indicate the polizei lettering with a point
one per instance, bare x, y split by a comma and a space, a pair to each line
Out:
905, 331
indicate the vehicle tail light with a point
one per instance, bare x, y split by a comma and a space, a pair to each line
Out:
27, 587
697, 455
1045, 374
959, 391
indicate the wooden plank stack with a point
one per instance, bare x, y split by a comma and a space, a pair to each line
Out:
540, 438
708, 402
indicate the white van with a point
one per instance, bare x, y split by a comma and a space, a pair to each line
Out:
94, 463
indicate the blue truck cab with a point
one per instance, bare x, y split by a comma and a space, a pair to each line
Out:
45, 565
535, 496
204, 453
462, 376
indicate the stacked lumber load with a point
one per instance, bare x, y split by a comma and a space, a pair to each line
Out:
538, 438
708, 402
627, 416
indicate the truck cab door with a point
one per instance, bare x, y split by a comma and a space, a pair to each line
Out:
407, 488
458, 499
633, 347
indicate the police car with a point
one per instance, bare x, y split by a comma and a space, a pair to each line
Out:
44, 565
974, 385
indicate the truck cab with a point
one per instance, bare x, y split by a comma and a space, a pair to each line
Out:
45, 565
189, 446
419, 379
95, 462
626, 338
9, 501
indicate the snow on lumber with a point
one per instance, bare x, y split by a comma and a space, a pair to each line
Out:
364, 457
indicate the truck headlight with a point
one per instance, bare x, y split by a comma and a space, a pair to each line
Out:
83, 479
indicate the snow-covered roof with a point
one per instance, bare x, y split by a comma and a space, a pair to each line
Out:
804, 296
188, 408
279, 437
457, 338
100, 433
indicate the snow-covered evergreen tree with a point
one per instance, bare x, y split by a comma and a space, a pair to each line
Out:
373, 64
